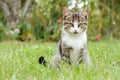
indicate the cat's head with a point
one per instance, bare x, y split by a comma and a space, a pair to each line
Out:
75, 23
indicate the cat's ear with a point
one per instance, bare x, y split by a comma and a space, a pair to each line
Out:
86, 10
65, 12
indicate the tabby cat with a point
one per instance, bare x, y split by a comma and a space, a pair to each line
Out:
72, 47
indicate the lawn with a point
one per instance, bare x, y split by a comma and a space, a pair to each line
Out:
19, 61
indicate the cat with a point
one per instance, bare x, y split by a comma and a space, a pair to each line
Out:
72, 47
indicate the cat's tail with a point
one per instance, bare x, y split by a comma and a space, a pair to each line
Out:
42, 61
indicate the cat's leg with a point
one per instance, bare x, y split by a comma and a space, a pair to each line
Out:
56, 60
57, 56
85, 56
66, 55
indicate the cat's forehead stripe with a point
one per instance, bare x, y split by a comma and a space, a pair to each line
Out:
75, 16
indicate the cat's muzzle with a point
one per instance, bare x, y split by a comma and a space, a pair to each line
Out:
75, 32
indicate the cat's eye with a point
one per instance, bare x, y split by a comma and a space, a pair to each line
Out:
71, 25
68, 24
82, 24
68, 18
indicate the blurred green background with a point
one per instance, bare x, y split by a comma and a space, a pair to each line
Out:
27, 20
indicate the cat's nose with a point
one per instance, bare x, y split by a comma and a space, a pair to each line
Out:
75, 30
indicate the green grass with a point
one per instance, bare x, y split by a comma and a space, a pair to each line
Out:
19, 61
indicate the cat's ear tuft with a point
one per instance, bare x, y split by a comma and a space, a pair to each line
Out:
65, 11
87, 10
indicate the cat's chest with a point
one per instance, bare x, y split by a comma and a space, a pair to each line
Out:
75, 42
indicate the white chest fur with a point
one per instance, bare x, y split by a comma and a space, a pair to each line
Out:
76, 42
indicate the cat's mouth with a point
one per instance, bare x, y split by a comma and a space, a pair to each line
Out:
75, 32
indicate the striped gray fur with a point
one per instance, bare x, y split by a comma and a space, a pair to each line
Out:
74, 27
